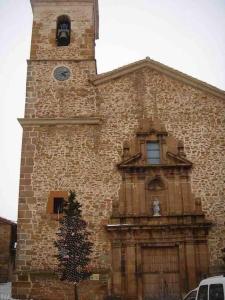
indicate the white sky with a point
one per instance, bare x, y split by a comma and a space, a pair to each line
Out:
188, 35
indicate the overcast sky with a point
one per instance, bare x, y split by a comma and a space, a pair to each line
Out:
187, 35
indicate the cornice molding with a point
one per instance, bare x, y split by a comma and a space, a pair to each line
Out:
124, 227
149, 63
141, 168
61, 60
54, 121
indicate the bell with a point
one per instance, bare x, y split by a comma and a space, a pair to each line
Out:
63, 37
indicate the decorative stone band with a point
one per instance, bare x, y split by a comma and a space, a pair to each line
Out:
123, 227
29, 61
54, 122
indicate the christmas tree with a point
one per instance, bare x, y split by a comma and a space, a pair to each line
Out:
74, 247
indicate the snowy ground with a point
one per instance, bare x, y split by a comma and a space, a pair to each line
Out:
5, 291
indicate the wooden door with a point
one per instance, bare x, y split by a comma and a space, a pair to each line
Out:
160, 273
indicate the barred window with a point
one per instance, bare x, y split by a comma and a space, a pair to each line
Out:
55, 204
153, 153
58, 205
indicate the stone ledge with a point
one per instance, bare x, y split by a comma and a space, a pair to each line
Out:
153, 227
54, 121
78, 60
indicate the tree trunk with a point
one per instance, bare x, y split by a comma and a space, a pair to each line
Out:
76, 292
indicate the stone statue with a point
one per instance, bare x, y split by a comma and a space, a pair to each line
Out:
156, 208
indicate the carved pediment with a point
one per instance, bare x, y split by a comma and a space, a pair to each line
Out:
131, 161
153, 147
176, 159
137, 160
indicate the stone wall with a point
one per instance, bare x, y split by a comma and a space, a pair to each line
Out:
7, 235
62, 158
48, 98
84, 157
43, 285
190, 115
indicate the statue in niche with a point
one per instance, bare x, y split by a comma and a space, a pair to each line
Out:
156, 208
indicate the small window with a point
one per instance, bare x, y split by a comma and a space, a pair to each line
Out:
63, 31
216, 292
55, 204
58, 205
203, 292
153, 153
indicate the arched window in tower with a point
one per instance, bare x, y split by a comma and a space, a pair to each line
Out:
63, 31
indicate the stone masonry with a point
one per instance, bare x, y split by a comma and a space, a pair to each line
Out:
73, 138
7, 250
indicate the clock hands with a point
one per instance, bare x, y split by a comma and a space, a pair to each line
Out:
64, 73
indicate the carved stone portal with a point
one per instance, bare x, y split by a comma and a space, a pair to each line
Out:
157, 229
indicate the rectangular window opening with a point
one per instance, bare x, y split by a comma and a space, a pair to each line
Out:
153, 153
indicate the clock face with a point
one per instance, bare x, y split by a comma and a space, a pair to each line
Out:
62, 73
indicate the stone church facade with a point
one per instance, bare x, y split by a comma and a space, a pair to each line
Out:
142, 146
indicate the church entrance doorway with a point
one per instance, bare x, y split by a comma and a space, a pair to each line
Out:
161, 273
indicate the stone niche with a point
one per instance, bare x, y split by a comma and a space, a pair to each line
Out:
157, 229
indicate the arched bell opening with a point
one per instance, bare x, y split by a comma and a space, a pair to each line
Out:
63, 31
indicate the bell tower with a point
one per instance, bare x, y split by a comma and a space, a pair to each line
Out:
62, 59
60, 111
64, 30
